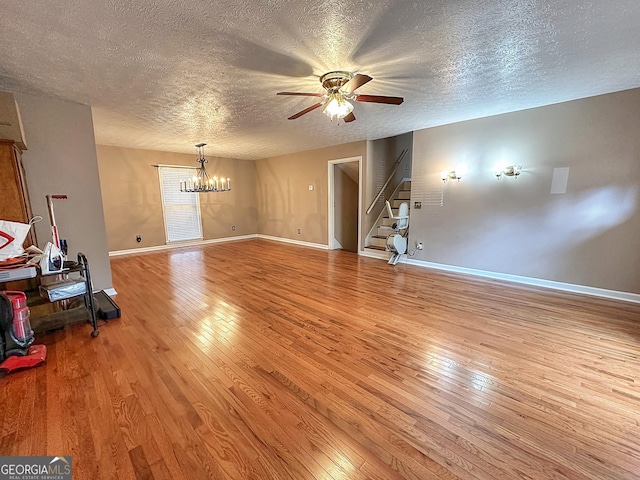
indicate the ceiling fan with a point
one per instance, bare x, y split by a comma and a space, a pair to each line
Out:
340, 87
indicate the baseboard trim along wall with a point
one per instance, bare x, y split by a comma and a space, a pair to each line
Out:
537, 282
294, 242
169, 246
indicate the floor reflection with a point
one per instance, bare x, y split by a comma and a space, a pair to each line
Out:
211, 316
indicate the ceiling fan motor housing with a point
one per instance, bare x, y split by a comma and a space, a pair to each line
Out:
333, 81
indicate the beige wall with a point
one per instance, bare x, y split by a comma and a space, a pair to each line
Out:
285, 202
588, 236
132, 203
61, 160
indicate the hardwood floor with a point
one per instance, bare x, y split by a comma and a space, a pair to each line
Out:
263, 360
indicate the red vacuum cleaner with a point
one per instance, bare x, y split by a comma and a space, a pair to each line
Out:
16, 336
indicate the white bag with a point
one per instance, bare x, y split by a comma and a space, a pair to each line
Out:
12, 236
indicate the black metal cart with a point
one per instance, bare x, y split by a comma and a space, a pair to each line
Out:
75, 307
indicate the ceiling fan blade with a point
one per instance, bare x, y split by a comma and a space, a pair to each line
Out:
301, 94
380, 99
306, 110
356, 82
349, 118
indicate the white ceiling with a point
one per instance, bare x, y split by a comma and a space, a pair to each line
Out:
167, 74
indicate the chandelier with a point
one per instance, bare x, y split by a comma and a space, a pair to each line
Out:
201, 182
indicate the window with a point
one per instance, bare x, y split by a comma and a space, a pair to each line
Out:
181, 210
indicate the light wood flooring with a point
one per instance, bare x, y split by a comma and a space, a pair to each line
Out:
257, 360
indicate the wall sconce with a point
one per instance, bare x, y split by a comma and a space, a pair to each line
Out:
452, 175
508, 171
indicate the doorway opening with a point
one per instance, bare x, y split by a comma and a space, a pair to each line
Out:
345, 200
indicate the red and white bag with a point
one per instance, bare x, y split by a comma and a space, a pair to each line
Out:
12, 237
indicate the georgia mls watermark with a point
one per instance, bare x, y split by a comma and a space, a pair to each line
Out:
35, 468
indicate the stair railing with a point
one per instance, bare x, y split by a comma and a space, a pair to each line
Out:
393, 172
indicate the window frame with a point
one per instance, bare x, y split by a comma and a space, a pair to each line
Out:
176, 184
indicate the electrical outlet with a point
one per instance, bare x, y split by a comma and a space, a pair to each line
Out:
417, 205
419, 246
233, 228
311, 188
138, 238
299, 231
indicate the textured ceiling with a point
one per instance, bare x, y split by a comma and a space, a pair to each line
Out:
166, 74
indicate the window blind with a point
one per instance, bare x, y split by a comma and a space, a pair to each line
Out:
181, 209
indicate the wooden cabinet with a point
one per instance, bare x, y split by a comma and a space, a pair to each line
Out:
14, 195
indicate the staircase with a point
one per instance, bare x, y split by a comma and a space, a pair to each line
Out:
376, 241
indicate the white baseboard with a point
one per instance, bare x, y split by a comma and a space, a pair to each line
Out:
169, 246
156, 248
537, 282
567, 287
294, 242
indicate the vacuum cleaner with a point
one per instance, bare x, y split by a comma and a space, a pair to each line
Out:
17, 351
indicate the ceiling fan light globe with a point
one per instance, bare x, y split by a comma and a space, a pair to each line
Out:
338, 108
